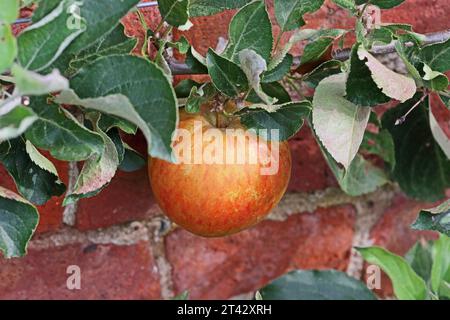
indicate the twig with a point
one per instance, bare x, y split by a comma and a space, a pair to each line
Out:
402, 119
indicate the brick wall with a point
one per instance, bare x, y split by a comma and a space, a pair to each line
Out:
126, 249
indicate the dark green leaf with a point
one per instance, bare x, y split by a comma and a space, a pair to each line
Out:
129, 94
289, 13
420, 259
175, 12
278, 72
60, 133
209, 7
132, 160
274, 90
44, 8
115, 42
316, 285
108, 122
407, 284
437, 56
250, 29
346, 4
380, 144
42, 43
18, 221
316, 49
34, 183
184, 87
383, 4
323, 71
422, 169
226, 76
437, 219
287, 119
361, 89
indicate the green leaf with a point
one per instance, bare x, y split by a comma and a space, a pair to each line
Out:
250, 29
287, 119
382, 4
195, 62
273, 89
316, 49
338, 123
380, 144
44, 8
10, 11
360, 178
437, 219
437, 56
175, 12
43, 42
115, 42
32, 83
316, 285
33, 179
102, 17
132, 160
440, 271
361, 89
321, 72
182, 296
278, 72
128, 95
97, 171
346, 4
381, 35
182, 45
184, 87
226, 76
59, 132
194, 100
435, 80
210, 7
420, 259
18, 221
422, 169
8, 47
407, 284
289, 13
16, 122
108, 122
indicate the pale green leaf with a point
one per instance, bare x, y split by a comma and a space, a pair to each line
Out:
338, 123
407, 284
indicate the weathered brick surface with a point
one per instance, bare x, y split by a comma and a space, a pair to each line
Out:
128, 197
310, 171
107, 272
224, 267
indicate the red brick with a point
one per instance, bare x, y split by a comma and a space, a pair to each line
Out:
50, 218
128, 197
107, 272
393, 232
310, 171
223, 267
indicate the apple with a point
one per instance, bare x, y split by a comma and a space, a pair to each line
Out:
213, 198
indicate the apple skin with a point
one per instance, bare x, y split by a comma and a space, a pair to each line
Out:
213, 200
